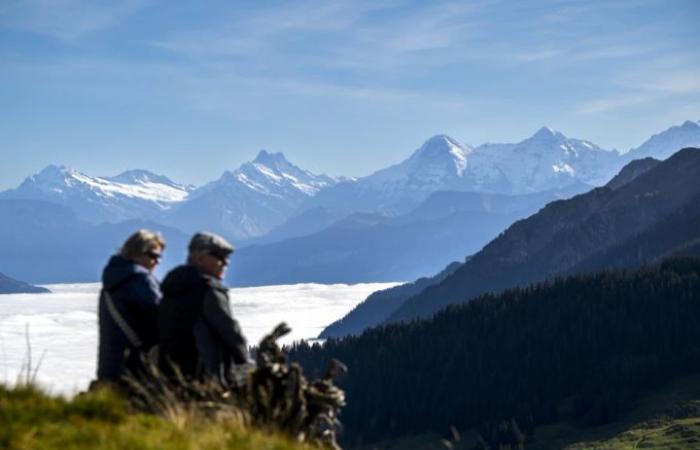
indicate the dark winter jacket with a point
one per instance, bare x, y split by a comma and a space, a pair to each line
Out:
135, 294
196, 330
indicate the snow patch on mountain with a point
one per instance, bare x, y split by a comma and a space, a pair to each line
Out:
64, 180
132, 194
250, 200
546, 160
158, 192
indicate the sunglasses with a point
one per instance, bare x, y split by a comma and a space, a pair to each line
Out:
153, 255
222, 258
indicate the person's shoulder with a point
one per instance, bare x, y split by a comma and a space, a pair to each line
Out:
180, 274
215, 283
141, 274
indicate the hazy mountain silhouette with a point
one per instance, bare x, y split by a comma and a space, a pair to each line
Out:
567, 233
42, 242
372, 247
11, 286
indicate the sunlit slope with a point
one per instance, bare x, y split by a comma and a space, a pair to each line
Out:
32, 420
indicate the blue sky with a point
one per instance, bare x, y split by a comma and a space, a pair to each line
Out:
190, 89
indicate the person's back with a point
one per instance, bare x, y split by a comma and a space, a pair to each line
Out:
183, 292
129, 299
196, 330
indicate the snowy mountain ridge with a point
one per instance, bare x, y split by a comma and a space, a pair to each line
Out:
262, 194
271, 171
250, 200
130, 195
546, 160
140, 184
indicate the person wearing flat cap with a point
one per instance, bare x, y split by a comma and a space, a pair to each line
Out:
196, 330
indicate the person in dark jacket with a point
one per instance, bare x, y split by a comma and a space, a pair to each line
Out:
196, 331
128, 306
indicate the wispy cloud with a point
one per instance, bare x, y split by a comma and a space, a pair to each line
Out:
66, 19
342, 34
650, 83
614, 102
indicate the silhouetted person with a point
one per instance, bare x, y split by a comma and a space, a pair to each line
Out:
196, 330
128, 306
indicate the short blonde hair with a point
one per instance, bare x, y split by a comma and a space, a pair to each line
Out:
141, 242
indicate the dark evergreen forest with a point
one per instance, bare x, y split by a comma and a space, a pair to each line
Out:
585, 346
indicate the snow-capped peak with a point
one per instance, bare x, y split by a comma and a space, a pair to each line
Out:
272, 174
137, 184
53, 176
271, 159
546, 134
442, 148
443, 144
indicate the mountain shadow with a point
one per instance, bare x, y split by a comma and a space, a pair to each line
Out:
367, 247
567, 233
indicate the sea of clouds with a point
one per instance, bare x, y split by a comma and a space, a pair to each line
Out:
61, 326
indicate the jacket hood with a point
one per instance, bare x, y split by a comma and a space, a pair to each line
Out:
119, 269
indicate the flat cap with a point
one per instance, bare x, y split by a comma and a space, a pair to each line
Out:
210, 243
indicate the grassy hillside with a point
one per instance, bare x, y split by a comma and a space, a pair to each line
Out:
584, 348
30, 419
666, 418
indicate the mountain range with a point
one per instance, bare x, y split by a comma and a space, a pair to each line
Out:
269, 206
651, 209
263, 194
134, 194
545, 161
251, 200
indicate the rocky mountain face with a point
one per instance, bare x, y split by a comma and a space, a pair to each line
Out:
566, 233
135, 194
251, 200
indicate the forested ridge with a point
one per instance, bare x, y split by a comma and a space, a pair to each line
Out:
585, 346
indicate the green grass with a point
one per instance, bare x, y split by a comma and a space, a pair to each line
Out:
671, 434
30, 419
667, 418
